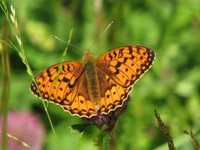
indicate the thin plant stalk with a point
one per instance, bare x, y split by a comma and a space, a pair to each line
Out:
5, 87
106, 140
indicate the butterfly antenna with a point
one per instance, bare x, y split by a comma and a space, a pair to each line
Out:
73, 45
97, 39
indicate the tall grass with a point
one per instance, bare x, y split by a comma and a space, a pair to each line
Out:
10, 15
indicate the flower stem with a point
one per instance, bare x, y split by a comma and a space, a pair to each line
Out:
106, 141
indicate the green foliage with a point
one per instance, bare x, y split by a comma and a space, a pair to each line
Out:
171, 86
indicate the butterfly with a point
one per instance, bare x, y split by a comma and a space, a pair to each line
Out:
94, 86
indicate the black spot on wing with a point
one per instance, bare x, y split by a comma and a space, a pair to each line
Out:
118, 64
65, 79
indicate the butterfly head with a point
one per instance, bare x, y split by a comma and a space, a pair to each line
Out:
88, 57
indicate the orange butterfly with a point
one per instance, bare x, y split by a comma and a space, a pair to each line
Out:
94, 86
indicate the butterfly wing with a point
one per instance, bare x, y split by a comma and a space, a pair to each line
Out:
113, 95
82, 105
57, 83
67, 87
126, 64
118, 70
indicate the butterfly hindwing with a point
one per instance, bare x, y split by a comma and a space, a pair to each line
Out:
113, 95
82, 105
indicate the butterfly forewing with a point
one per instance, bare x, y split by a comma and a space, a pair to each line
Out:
126, 64
58, 81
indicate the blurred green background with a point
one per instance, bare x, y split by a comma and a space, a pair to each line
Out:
172, 86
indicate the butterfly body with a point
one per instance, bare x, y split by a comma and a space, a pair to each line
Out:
92, 82
94, 86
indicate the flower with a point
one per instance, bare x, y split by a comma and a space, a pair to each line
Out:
106, 122
25, 127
